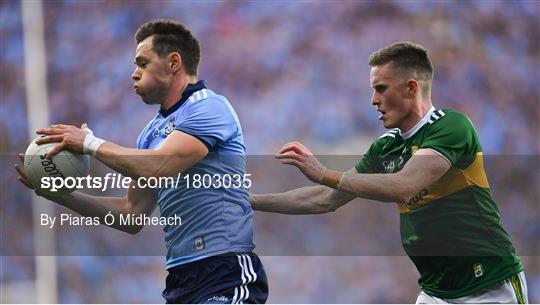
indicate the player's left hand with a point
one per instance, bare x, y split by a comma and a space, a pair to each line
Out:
294, 153
69, 137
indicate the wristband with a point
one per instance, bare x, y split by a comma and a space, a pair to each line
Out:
91, 143
331, 178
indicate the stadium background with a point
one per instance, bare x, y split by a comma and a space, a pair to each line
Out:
292, 70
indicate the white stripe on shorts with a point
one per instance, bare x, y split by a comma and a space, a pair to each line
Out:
248, 276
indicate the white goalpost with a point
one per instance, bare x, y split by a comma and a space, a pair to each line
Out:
35, 68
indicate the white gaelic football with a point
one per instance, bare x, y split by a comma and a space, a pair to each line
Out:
64, 164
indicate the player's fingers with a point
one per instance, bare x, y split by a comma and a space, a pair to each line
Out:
287, 145
23, 179
21, 171
25, 182
292, 162
284, 148
299, 145
50, 139
290, 156
59, 126
55, 150
50, 131
293, 147
304, 148
288, 152
21, 157
295, 158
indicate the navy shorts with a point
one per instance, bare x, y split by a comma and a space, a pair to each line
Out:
224, 279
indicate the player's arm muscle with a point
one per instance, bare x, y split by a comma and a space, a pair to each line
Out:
423, 169
305, 200
137, 201
177, 153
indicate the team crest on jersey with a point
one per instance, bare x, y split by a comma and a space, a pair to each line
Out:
156, 132
170, 127
478, 271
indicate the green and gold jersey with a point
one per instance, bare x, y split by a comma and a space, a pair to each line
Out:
451, 230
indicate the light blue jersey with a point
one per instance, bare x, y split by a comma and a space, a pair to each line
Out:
217, 219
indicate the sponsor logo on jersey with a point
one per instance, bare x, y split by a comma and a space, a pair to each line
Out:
216, 298
389, 166
417, 198
400, 164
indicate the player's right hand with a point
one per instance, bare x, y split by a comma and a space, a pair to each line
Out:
295, 153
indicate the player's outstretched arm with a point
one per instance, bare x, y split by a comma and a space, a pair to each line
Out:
137, 201
178, 152
423, 169
306, 200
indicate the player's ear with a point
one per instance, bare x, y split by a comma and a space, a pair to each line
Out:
413, 87
175, 62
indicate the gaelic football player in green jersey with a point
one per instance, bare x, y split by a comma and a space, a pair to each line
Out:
430, 163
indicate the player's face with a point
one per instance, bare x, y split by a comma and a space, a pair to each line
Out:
390, 96
151, 76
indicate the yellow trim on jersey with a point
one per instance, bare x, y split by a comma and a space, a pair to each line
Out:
452, 181
516, 284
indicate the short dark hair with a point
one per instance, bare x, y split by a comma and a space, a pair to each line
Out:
171, 36
405, 57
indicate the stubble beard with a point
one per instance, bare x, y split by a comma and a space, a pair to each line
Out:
153, 96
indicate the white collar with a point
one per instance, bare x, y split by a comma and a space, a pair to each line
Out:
418, 125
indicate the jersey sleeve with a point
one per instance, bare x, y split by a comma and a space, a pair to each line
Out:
138, 144
209, 120
368, 163
453, 136
142, 139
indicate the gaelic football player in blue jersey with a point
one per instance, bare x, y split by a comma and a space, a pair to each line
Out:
195, 132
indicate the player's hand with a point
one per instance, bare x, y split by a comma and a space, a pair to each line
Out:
22, 174
24, 179
68, 137
294, 153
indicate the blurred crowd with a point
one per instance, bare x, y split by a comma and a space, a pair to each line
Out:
293, 71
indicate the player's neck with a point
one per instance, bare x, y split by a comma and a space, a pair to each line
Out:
417, 113
176, 91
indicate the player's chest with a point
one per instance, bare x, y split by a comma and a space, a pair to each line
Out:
394, 158
158, 132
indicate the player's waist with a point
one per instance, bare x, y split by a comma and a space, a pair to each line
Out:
468, 276
188, 261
